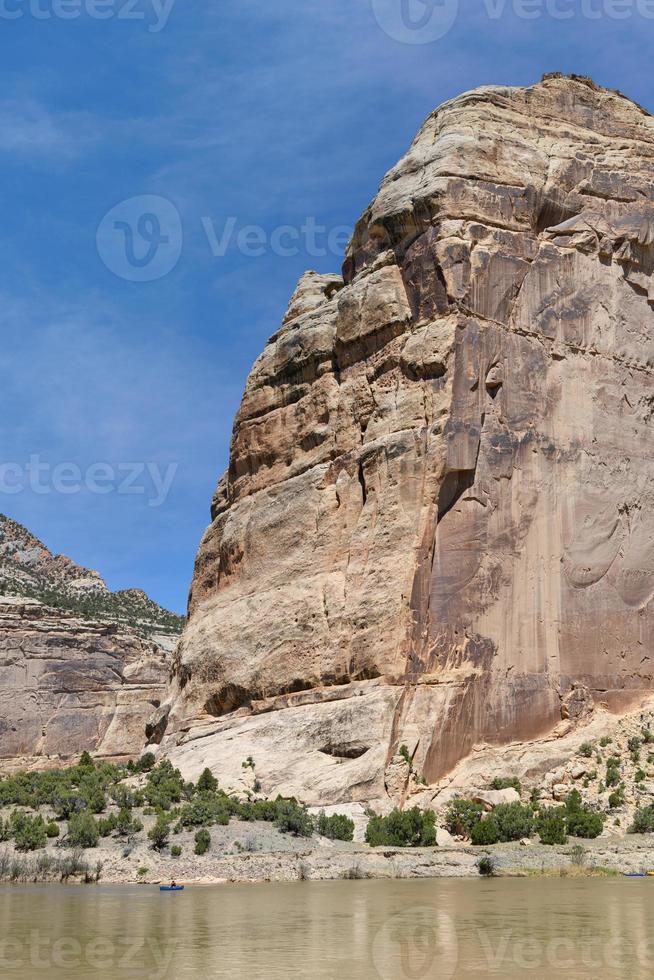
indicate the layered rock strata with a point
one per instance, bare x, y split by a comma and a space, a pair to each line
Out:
81, 668
437, 525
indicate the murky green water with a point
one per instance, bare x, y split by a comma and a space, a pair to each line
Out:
395, 930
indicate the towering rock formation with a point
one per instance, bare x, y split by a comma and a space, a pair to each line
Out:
80, 667
437, 526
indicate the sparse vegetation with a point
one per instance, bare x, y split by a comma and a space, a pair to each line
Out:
403, 828
643, 822
160, 832
207, 783
462, 816
486, 867
507, 822
336, 827
581, 821
507, 782
551, 825
202, 841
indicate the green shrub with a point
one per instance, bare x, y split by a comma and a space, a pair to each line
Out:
68, 803
52, 829
612, 777
514, 821
486, 831
293, 819
160, 832
461, 816
507, 782
175, 850
605, 740
551, 825
582, 821
29, 833
577, 855
146, 762
86, 762
643, 821
202, 841
403, 828
640, 776
486, 867
107, 825
585, 823
164, 786
586, 749
207, 782
648, 736
404, 752
634, 744
126, 825
83, 830
616, 798
336, 827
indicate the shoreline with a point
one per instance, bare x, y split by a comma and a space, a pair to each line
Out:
601, 857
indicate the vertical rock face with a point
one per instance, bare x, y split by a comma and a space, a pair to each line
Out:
81, 668
437, 526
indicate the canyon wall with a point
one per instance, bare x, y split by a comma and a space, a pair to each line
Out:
81, 668
436, 529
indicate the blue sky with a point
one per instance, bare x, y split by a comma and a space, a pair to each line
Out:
270, 114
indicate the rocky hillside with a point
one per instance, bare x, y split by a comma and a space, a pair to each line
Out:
80, 667
436, 526
30, 570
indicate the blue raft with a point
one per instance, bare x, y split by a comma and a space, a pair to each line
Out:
171, 888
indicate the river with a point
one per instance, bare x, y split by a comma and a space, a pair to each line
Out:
393, 930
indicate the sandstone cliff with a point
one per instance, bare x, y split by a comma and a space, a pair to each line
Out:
80, 667
436, 528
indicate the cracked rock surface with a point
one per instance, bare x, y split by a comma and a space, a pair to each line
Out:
437, 525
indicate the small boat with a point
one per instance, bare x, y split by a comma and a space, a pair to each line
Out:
636, 874
171, 888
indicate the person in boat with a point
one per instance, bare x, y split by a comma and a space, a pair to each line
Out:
173, 884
